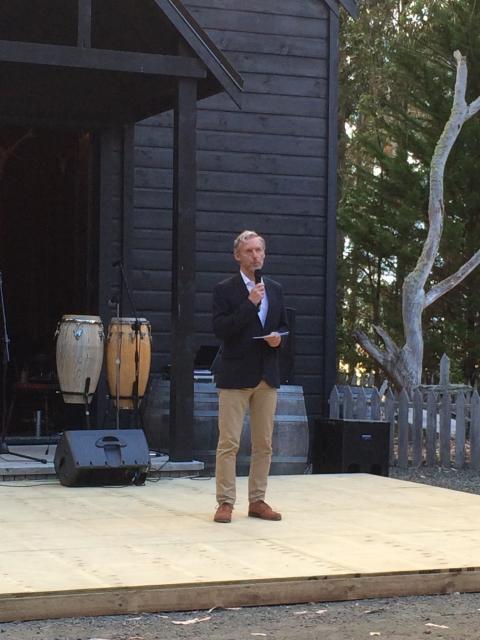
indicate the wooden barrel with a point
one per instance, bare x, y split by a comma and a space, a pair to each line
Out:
290, 435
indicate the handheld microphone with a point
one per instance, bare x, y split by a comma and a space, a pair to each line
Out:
257, 274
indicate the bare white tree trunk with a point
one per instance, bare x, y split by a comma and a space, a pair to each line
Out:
404, 365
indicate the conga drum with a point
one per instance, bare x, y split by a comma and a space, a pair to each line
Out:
79, 355
120, 359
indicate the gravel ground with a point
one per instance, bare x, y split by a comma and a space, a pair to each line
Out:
455, 616
456, 479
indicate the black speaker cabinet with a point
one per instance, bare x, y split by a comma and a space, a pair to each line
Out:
97, 457
351, 446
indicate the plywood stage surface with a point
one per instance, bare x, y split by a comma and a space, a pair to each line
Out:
91, 551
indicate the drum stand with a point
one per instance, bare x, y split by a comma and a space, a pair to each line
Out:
85, 400
5, 361
136, 332
84, 396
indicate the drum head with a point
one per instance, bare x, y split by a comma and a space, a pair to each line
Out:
80, 318
129, 321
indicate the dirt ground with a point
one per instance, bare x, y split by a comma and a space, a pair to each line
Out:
455, 616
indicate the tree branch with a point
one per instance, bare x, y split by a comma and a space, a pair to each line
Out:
461, 85
460, 80
474, 107
404, 365
459, 114
371, 348
390, 345
449, 283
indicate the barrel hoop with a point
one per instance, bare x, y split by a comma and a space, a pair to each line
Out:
77, 393
123, 397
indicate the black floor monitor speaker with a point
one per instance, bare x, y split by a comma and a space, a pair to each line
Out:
97, 457
351, 446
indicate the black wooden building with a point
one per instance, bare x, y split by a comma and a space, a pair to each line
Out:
269, 166
125, 135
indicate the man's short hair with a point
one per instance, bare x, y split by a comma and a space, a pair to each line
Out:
244, 236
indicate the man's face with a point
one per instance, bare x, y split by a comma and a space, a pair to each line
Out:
251, 255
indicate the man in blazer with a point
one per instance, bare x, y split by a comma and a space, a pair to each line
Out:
248, 317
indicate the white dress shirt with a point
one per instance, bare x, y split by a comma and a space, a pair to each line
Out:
262, 312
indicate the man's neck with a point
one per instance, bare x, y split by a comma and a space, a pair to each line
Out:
250, 276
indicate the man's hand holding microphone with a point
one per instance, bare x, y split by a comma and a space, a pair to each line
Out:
256, 296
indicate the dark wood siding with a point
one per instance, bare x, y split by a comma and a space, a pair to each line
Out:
264, 167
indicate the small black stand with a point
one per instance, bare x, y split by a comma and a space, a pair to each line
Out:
5, 361
136, 331
85, 400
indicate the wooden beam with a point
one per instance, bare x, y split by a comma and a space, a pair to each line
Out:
330, 358
151, 599
204, 47
73, 123
84, 32
333, 6
100, 59
183, 270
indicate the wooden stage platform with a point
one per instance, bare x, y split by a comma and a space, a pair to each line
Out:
92, 551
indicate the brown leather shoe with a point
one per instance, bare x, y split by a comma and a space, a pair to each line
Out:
224, 512
261, 509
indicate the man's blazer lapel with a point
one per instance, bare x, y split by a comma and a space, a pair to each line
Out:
272, 304
240, 286
242, 291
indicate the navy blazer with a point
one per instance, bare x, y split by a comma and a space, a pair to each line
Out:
244, 362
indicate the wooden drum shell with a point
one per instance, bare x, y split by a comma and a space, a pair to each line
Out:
120, 345
79, 355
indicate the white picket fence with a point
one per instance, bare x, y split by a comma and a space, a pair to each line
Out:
440, 424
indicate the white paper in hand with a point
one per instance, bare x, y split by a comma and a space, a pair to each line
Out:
271, 335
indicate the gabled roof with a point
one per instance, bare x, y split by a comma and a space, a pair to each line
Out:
203, 46
117, 62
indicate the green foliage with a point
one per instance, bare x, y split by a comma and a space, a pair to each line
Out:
397, 80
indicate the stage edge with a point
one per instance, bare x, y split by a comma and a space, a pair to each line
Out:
151, 599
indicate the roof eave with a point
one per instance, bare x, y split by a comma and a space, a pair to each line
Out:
351, 7
229, 79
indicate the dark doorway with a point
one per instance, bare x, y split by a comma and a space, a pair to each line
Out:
48, 247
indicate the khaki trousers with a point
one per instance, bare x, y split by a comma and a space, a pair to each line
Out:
233, 403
